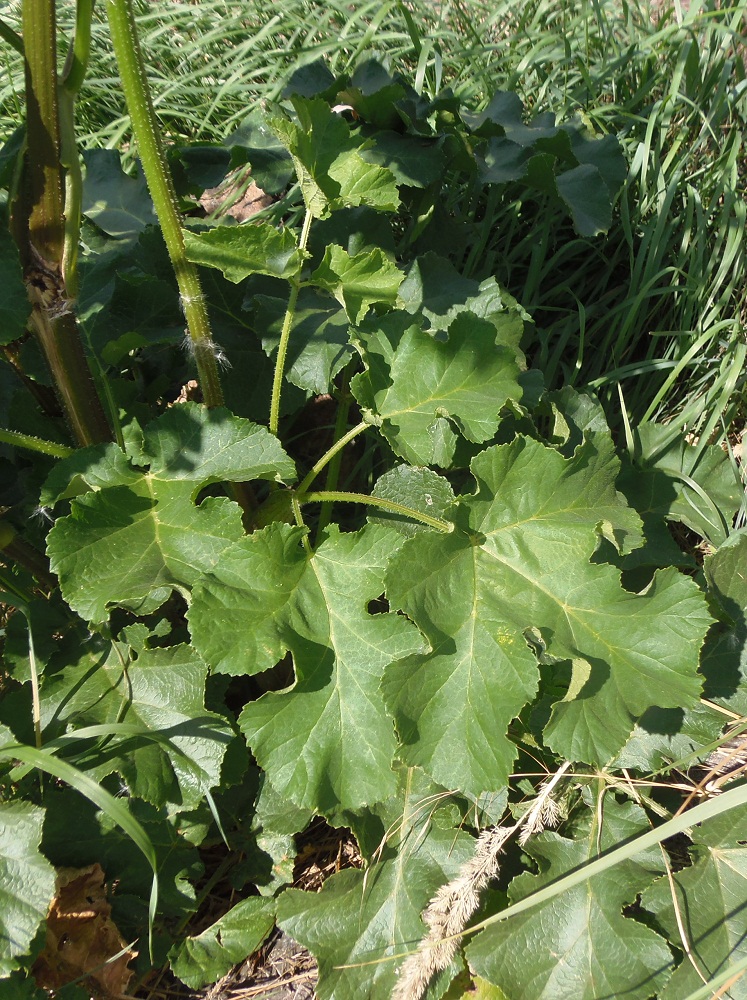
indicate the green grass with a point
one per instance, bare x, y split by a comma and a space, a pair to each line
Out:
657, 306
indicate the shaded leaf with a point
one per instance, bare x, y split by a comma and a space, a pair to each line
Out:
419, 488
26, 881
171, 749
14, 304
117, 203
711, 900
255, 143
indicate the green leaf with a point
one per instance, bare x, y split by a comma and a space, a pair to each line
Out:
711, 900
326, 742
361, 920
133, 539
519, 560
417, 387
163, 742
208, 956
14, 304
239, 251
358, 282
413, 160
328, 163
117, 203
726, 572
420, 489
579, 944
27, 881
436, 289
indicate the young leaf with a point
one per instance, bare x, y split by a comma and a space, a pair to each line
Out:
711, 898
207, 957
579, 944
327, 742
416, 387
519, 559
239, 251
131, 539
358, 282
361, 920
26, 879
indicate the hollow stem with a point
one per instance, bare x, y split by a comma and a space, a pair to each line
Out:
324, 496
290, 312
160, 184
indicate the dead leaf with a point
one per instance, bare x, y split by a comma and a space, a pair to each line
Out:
82, 940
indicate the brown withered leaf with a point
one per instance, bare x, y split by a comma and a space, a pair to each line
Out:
82, 938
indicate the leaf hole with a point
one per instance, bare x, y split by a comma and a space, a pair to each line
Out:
378, 606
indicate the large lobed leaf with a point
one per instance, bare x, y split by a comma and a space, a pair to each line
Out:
520, 560
166, 746
420, 389
327, 742
711, 906
360, 921
141, 533
579, 944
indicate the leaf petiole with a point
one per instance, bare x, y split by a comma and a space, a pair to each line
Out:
324, 496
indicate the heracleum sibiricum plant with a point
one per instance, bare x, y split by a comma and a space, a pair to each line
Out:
446, 617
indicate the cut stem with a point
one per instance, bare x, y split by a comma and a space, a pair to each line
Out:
160, 184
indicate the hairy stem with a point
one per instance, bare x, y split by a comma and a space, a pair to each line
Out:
290, 312
73, 75
34, 443
160, 184
328, 456
324, 496
41, 232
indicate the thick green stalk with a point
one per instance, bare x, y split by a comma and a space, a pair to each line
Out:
40, 233
160, 184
